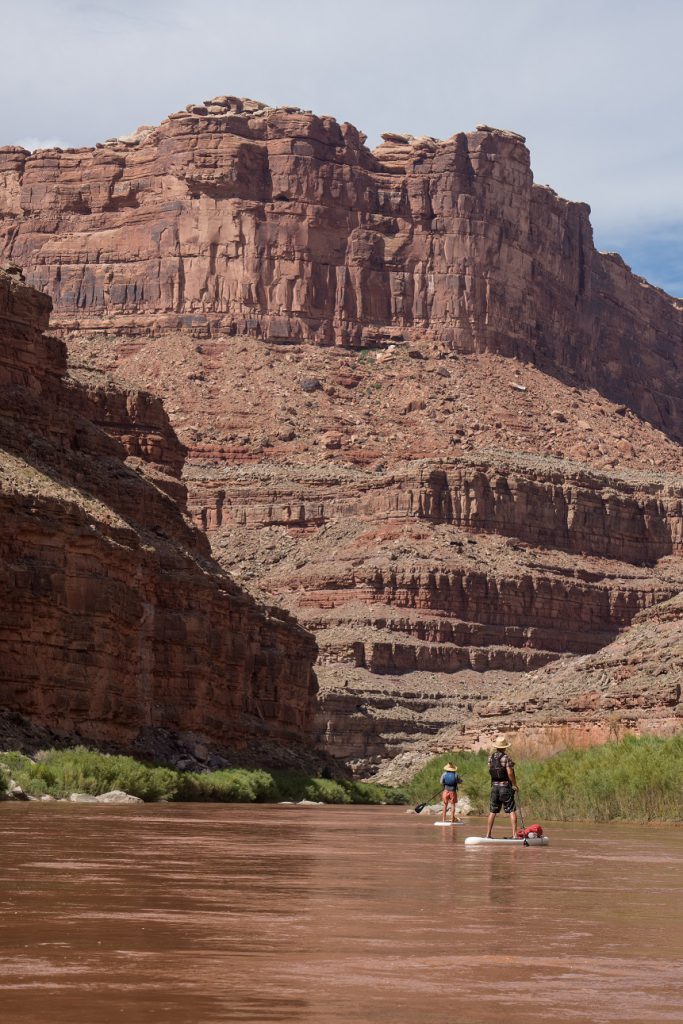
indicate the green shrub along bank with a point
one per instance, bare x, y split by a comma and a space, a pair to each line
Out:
58, 773
635, 779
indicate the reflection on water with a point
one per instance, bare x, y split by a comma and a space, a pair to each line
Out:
283, 914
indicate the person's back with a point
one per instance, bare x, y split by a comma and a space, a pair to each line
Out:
503, 784
450, 780
499, 762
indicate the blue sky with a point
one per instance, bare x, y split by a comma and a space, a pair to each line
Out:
595, 85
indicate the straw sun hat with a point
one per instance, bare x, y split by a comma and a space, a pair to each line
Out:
450, 767
501, 741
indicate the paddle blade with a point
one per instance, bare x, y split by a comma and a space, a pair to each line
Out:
421, 807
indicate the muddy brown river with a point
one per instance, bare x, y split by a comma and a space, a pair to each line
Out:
195, 914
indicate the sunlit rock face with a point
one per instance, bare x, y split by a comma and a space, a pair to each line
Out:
235, 217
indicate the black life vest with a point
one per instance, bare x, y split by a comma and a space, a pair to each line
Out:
497, 772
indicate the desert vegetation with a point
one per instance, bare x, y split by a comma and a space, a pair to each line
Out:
58, 773
634, 779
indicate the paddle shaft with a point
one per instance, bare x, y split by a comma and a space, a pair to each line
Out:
521, 812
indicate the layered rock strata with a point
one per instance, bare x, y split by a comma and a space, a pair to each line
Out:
237, 218
632, 685
116, 625
636, 680
419, 409
433, 585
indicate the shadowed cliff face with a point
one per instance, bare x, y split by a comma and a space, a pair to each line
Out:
236, 218
115, 623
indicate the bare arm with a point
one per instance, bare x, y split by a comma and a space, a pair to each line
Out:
511, 776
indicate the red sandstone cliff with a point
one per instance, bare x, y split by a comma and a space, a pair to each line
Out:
116, 625
475, 467
239, 218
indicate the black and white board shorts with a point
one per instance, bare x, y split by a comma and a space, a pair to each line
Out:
502, 795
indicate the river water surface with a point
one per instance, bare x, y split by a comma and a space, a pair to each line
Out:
195, 914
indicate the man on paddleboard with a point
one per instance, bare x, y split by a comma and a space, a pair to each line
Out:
450, 780
503, 785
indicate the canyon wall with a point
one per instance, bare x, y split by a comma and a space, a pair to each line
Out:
237, 218
116, 625
565, 507
423, 518
631, 685
410, 403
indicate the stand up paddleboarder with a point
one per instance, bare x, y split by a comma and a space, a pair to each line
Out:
503, 785
450, 780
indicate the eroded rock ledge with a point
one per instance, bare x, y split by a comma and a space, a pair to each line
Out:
445, 526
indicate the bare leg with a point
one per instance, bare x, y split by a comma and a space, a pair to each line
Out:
513, 822
452, 810
444, 805
489, 825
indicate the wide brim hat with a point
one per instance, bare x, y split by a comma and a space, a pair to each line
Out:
450, 767
501, 741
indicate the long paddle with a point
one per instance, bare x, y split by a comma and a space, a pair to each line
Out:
421, 807
519, 805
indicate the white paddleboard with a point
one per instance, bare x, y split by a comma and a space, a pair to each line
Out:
447, 824
483, 841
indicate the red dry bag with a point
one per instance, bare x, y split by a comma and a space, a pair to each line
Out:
532, 830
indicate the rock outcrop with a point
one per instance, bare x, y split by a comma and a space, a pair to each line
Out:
236, 218
416, 407
116, 625
636, 680
398, 509
633, 685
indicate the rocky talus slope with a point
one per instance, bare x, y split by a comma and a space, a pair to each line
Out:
421, 411
640, 674
436, 586
116, 625
633, 684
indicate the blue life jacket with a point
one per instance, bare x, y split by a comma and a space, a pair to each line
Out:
451, 779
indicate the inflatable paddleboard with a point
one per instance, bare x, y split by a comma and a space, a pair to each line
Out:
447, 824
483, 841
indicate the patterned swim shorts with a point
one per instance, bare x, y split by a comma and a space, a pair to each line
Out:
502, 795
